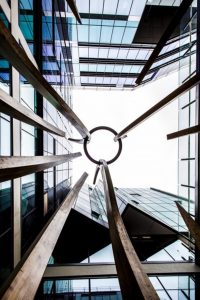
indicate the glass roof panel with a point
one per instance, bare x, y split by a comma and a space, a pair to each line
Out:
94, 34
110, 7
124, 7
137, 7
96, 6
128, 35
113, 53
82, 6
103, 52
117, 35
106, 33
83, 51
132, 54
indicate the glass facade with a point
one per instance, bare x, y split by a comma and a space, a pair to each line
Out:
38, 28
187, 118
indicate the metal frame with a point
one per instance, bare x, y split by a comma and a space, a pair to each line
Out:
164, 38
86, 142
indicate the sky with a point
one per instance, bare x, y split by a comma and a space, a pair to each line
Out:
147, 158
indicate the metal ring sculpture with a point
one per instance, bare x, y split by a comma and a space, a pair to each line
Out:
86, 142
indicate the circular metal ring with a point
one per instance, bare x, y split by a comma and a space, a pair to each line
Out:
86, 142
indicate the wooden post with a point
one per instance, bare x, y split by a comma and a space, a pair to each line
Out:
13, 108
18, 166
134, 282
192, 225
25, 283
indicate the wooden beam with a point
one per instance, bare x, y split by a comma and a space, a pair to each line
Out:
78, 141
16, 55
164, 38
15, 109
25, 283
74, 10
183, 132
161, 104
18, 166
102, 270
192, 225
134, 282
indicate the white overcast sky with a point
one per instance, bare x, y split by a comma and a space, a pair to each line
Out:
147, 159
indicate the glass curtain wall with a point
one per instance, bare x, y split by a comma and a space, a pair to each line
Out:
41, 193
6, 226
187, 104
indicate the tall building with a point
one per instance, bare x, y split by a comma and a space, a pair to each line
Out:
55, 241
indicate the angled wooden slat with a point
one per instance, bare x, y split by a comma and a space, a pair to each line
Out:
17, 166
78, 141
74, 9
16, 55
134, 282
183, 132
192, 225
15, 109
25, 283
161, 104
164, 38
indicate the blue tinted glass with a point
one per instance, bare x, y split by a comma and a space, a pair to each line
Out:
24, 4
108, 23
128, 35
106, 34
26, 25
101, 68
83, 33
92, 68
109, 68
47, 28
5, 206
84, 67
117, 35
94, 34
50, 66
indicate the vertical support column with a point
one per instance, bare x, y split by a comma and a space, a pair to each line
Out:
16, 142
37, 19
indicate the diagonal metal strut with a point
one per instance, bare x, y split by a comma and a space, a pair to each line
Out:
134, 282
166, 100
